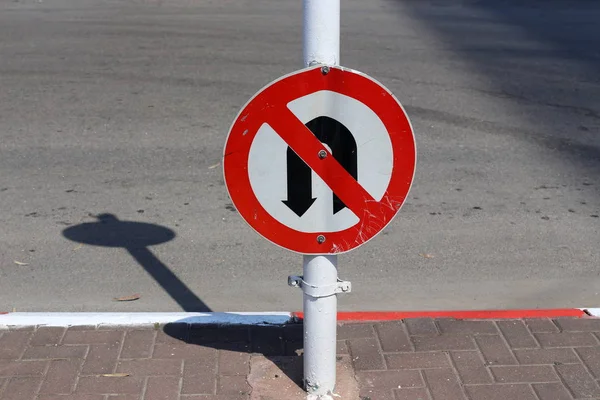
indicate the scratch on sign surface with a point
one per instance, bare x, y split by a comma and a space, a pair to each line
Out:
336, 249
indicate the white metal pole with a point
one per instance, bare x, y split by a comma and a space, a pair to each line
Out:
321, 46
321, 32
320, 326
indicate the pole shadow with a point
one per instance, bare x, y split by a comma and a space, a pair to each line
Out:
280, 344
136, 238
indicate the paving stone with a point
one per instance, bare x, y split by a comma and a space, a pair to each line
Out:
138, 344
219, 397
82, 397
500, 392
109, 385
421, 326
51, 352
365, 354
291, 348
162, 388
551, 391
578, 324
417, 360
205, 373
376, 394
175, 333
566, 339
591, 358
390, 379
183, 351
342, 347
233, 385
393, 337
10, 368
92, 337
536, 325
471, 368
411, 394
546, 356
355, 331
293, 332
494, 350
448, 325
443, 384
524, 374
150, 367
516, 334
233, 363
267, 340
61, 376
44, 336
443, 342
230, 334
200, 376
83, 328
101, 359
21, 388
578, 380
13, 343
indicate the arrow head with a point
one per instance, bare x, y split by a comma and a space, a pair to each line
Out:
299, 206
338, 205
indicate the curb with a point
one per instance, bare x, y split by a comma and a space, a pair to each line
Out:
60, 319
474, 314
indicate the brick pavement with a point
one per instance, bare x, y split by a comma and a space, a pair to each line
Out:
426, 359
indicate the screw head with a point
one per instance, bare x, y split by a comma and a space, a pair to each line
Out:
322, 154
320, 239
325, 70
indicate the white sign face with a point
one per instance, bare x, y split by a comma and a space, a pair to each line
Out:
295, 195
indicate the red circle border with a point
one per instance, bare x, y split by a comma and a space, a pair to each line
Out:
279, 93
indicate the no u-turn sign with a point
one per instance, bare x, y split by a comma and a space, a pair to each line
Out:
320, 161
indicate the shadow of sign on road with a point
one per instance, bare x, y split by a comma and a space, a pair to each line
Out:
136, 238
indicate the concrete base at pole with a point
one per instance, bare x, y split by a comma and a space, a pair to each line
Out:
319, 397
320, 323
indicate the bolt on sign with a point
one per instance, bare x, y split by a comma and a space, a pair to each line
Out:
320, 160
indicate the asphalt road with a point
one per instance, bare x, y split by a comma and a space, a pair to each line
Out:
114, 113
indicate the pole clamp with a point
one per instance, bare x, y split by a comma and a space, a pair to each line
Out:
319, 291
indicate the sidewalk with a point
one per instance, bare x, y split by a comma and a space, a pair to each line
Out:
532, 359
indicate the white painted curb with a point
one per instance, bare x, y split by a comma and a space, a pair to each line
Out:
60, 319
20, 319
593, 312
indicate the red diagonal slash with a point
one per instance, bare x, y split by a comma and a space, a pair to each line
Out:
307, 146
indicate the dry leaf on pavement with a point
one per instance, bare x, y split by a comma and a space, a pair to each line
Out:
128, 298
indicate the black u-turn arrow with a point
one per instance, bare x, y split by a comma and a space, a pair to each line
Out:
299, 184
299, 175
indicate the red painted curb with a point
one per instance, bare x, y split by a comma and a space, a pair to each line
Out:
482, 314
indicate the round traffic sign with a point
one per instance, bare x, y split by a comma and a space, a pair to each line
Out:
320, 161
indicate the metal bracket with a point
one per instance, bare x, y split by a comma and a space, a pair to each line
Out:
321, 291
